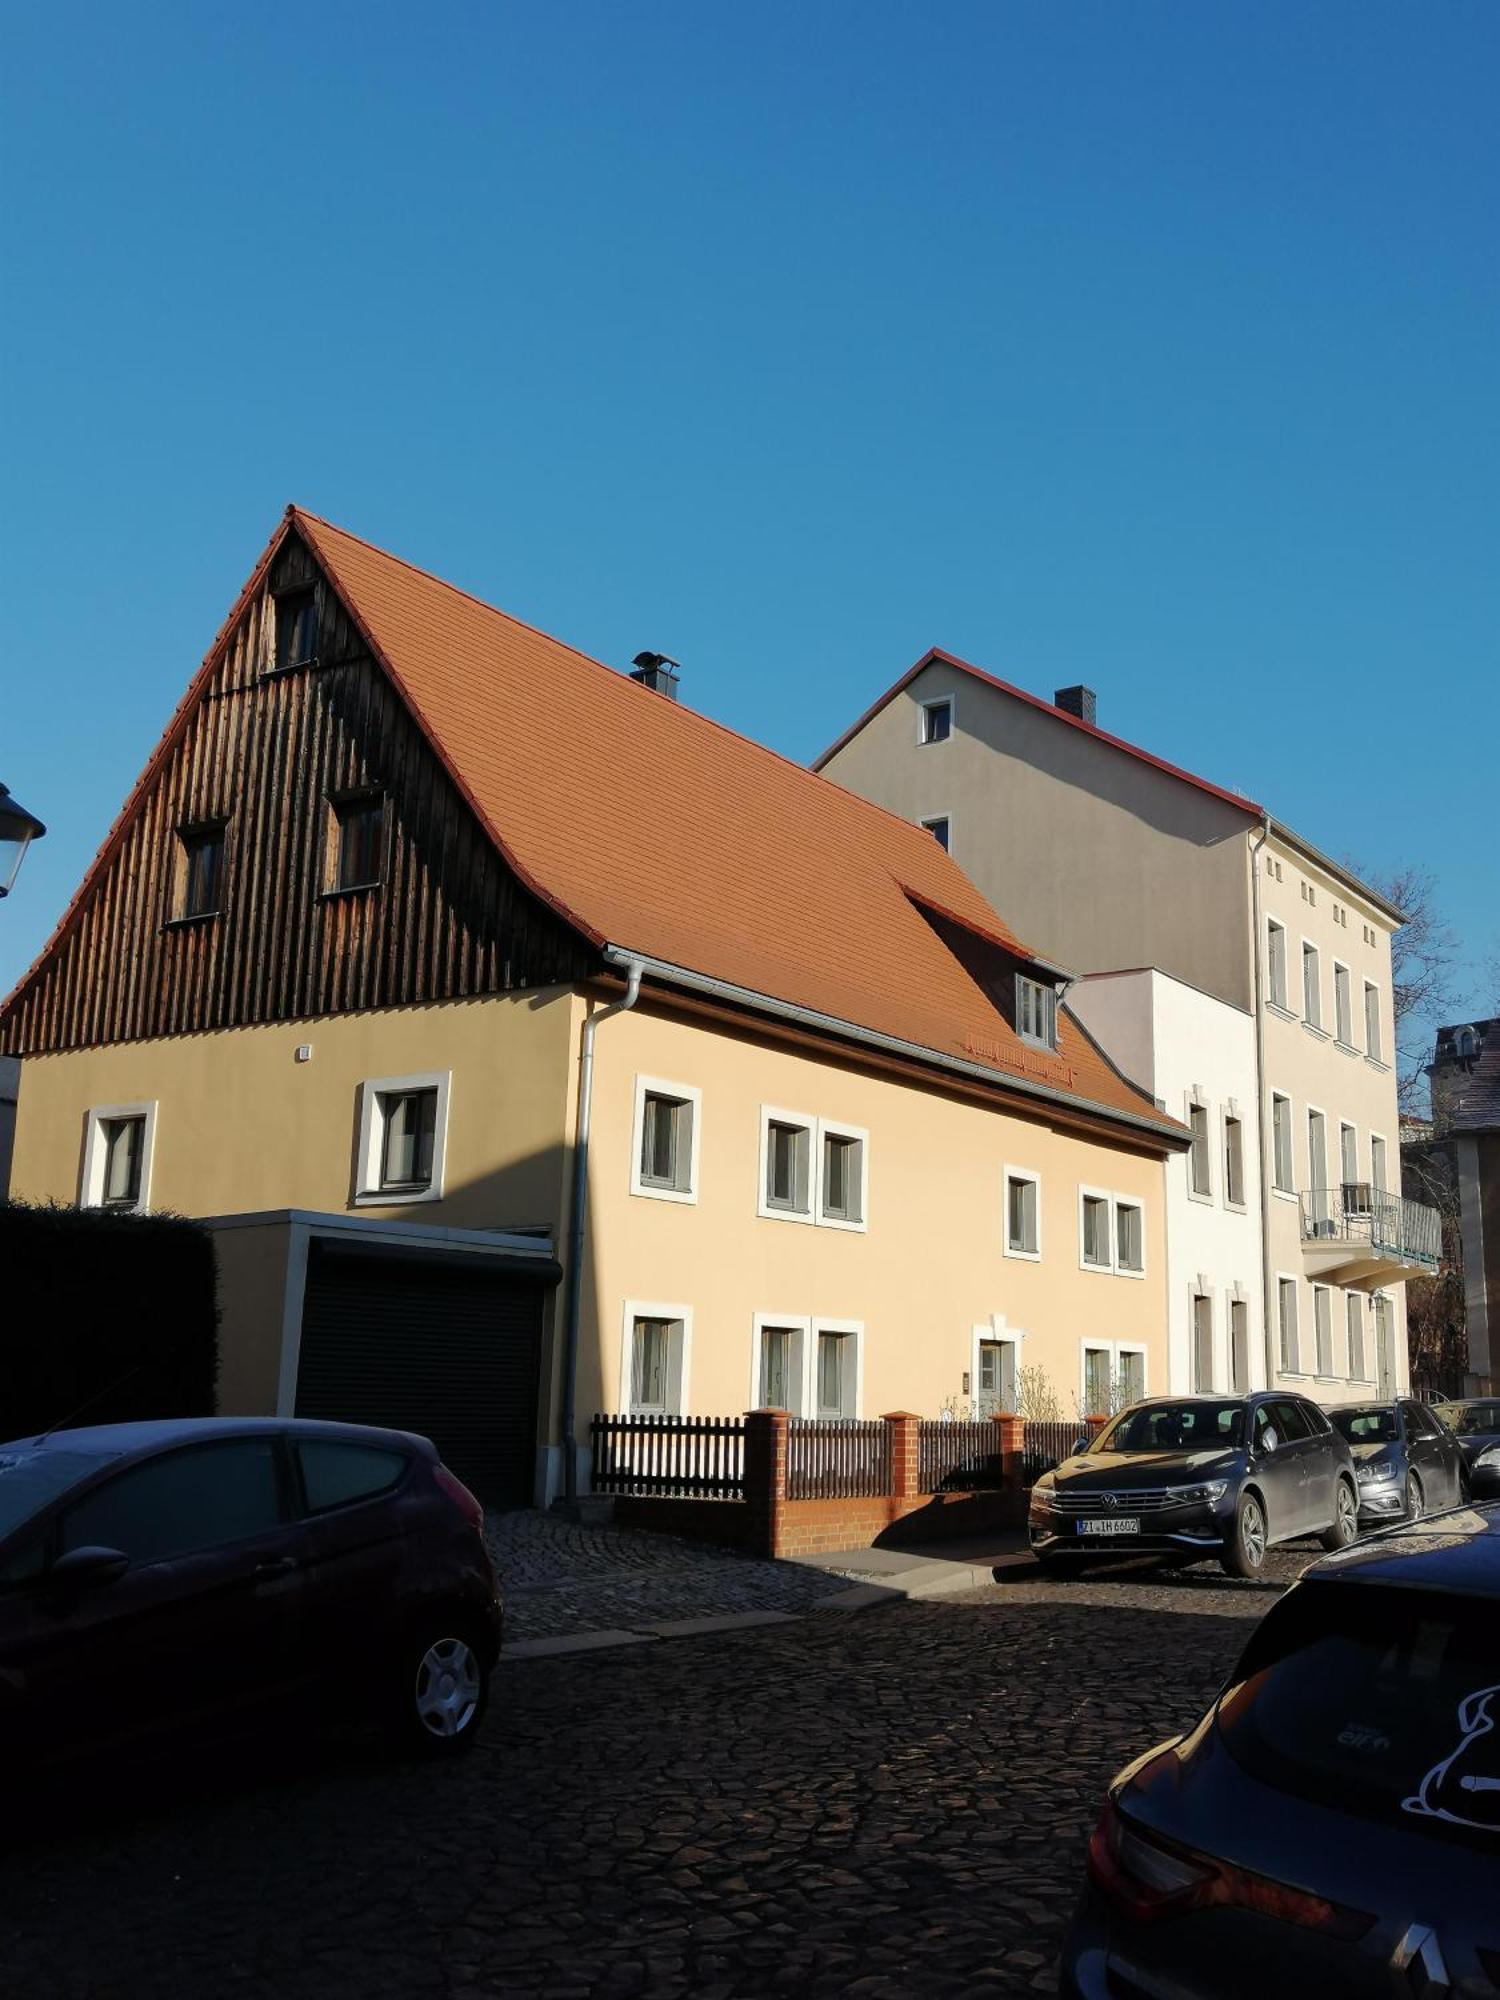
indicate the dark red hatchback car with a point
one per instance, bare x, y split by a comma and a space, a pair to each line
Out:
155, 1575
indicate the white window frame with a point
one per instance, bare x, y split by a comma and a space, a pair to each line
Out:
690, 1094
368, 1193
835, 1128
1287, 1192
1313, 1183
994, 1332
1280, 1001
682, 1318
1195, 1293
1230, 1115
1194, 1100
1127, 1201
1097, 1194
1348, 1125
1379, 1186
1357, 1299
96, 1156
1294, 1371
1312, 1022
799, 1325
1049, 1012
1344, 1042
1115, 1349
930, 822
773, 1114
1319, 1373
1374, 1055
855, 1328
924, 706
1009, 1174
1235, 1301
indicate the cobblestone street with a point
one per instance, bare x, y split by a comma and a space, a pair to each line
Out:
886, 1804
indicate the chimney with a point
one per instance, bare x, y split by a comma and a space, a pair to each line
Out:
1077, 701
657, 672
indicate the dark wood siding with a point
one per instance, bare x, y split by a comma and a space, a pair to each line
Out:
263, 753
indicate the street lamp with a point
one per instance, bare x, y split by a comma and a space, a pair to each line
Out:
18, 828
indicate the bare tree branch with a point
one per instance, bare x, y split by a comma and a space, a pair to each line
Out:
1424, 964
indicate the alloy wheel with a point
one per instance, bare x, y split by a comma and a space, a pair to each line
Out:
1415, 1505
1348, 1515
447, 1687
1253, 1533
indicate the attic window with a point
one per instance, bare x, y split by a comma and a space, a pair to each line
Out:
356, 841
937, 720
200, 871
1036, 1012
939, 830
296, 629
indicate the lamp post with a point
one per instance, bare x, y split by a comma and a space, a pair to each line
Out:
18, 828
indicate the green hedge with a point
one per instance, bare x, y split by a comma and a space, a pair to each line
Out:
115, 1312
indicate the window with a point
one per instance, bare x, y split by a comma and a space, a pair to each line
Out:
664, 1161
200, 874
787, 1148
1323, 1328
1286, 1300
1354, 1321
1377, 1163
403, 1132
334, 1475
1276, 959
1097, 1382
1349, 1166
119, 1141
1036, 1012
1130, 1243
1312, 993
1096, 1231
997, 1377
1023, 1227
1372, 1021
1132, 1375
1239, 1347
842, 1193
937, 720
1343, 1006
357, 842
939, 828
1234, 1161
296, 619
1385, 1344
200, 1498
779, 1374
1281, 1141
1317, 1161
1203, 1345
1200, 1179
837, 1370
654, 1359
648, 1368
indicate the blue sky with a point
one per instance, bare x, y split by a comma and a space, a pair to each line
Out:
1148, 345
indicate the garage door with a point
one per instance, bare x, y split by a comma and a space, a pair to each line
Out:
448, 1346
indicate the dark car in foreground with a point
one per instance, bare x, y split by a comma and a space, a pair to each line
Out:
1476, 1425
1406, 1462
1332, 1825
157, 1575
1191, 1476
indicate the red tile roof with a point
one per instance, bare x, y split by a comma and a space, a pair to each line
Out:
935, 654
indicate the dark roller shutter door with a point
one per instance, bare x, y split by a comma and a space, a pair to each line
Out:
449, 1347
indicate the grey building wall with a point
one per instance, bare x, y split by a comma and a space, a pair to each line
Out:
1093, 857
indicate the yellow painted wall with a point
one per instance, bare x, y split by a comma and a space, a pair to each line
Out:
252, 1273
930, 1265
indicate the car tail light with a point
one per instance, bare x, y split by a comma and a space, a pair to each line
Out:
460, 1495
1150, 1878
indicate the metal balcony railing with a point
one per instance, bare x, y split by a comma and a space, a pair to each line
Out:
1372, 1222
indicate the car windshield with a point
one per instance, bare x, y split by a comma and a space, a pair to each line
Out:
29, 1478
1385, 1699
1469, 1419
1375, 1425
1195, 1426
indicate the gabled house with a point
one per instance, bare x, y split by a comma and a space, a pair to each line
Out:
538, 1046
1123, 865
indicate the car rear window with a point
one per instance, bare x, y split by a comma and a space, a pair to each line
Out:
333, 1474
30, 1478
1384, 1701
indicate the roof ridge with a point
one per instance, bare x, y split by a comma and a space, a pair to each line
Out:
696, 715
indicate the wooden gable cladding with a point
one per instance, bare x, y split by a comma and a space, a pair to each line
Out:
263, 752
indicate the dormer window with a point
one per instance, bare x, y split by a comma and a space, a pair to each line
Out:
296, 629
1036, 1012
937, 720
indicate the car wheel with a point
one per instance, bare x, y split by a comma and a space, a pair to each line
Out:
1416, 1506
1245, 1550
441, 1686
1345, 1525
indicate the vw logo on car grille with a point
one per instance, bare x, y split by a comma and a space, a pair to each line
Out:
1111, 1499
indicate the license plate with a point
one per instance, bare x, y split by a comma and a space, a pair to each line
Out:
1115, 1526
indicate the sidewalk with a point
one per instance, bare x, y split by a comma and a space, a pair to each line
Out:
572, 1587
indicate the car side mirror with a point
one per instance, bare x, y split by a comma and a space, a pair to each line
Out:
1081, 1444
87, 1568
1267, 1442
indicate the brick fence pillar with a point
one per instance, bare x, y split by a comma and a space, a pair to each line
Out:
1010, 1442
765, 1479
903, 1441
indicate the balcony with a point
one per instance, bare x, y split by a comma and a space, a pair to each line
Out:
1356, 1234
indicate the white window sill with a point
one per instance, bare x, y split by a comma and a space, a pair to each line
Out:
1128, 1271
838, 1222
1206, 1199
679, 1195
1024, 1256
396, 1197
769, 1214
1283, 1013
1284, 1194
1236, 1207
1345, 1048
1376, 1063
1099, 1270
1319, 1034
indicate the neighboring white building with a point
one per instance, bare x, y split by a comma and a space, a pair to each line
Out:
1196, 1056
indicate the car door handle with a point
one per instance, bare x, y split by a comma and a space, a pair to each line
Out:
275, 1566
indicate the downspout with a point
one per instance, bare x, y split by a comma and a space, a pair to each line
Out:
1263, 1123
578, 1230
